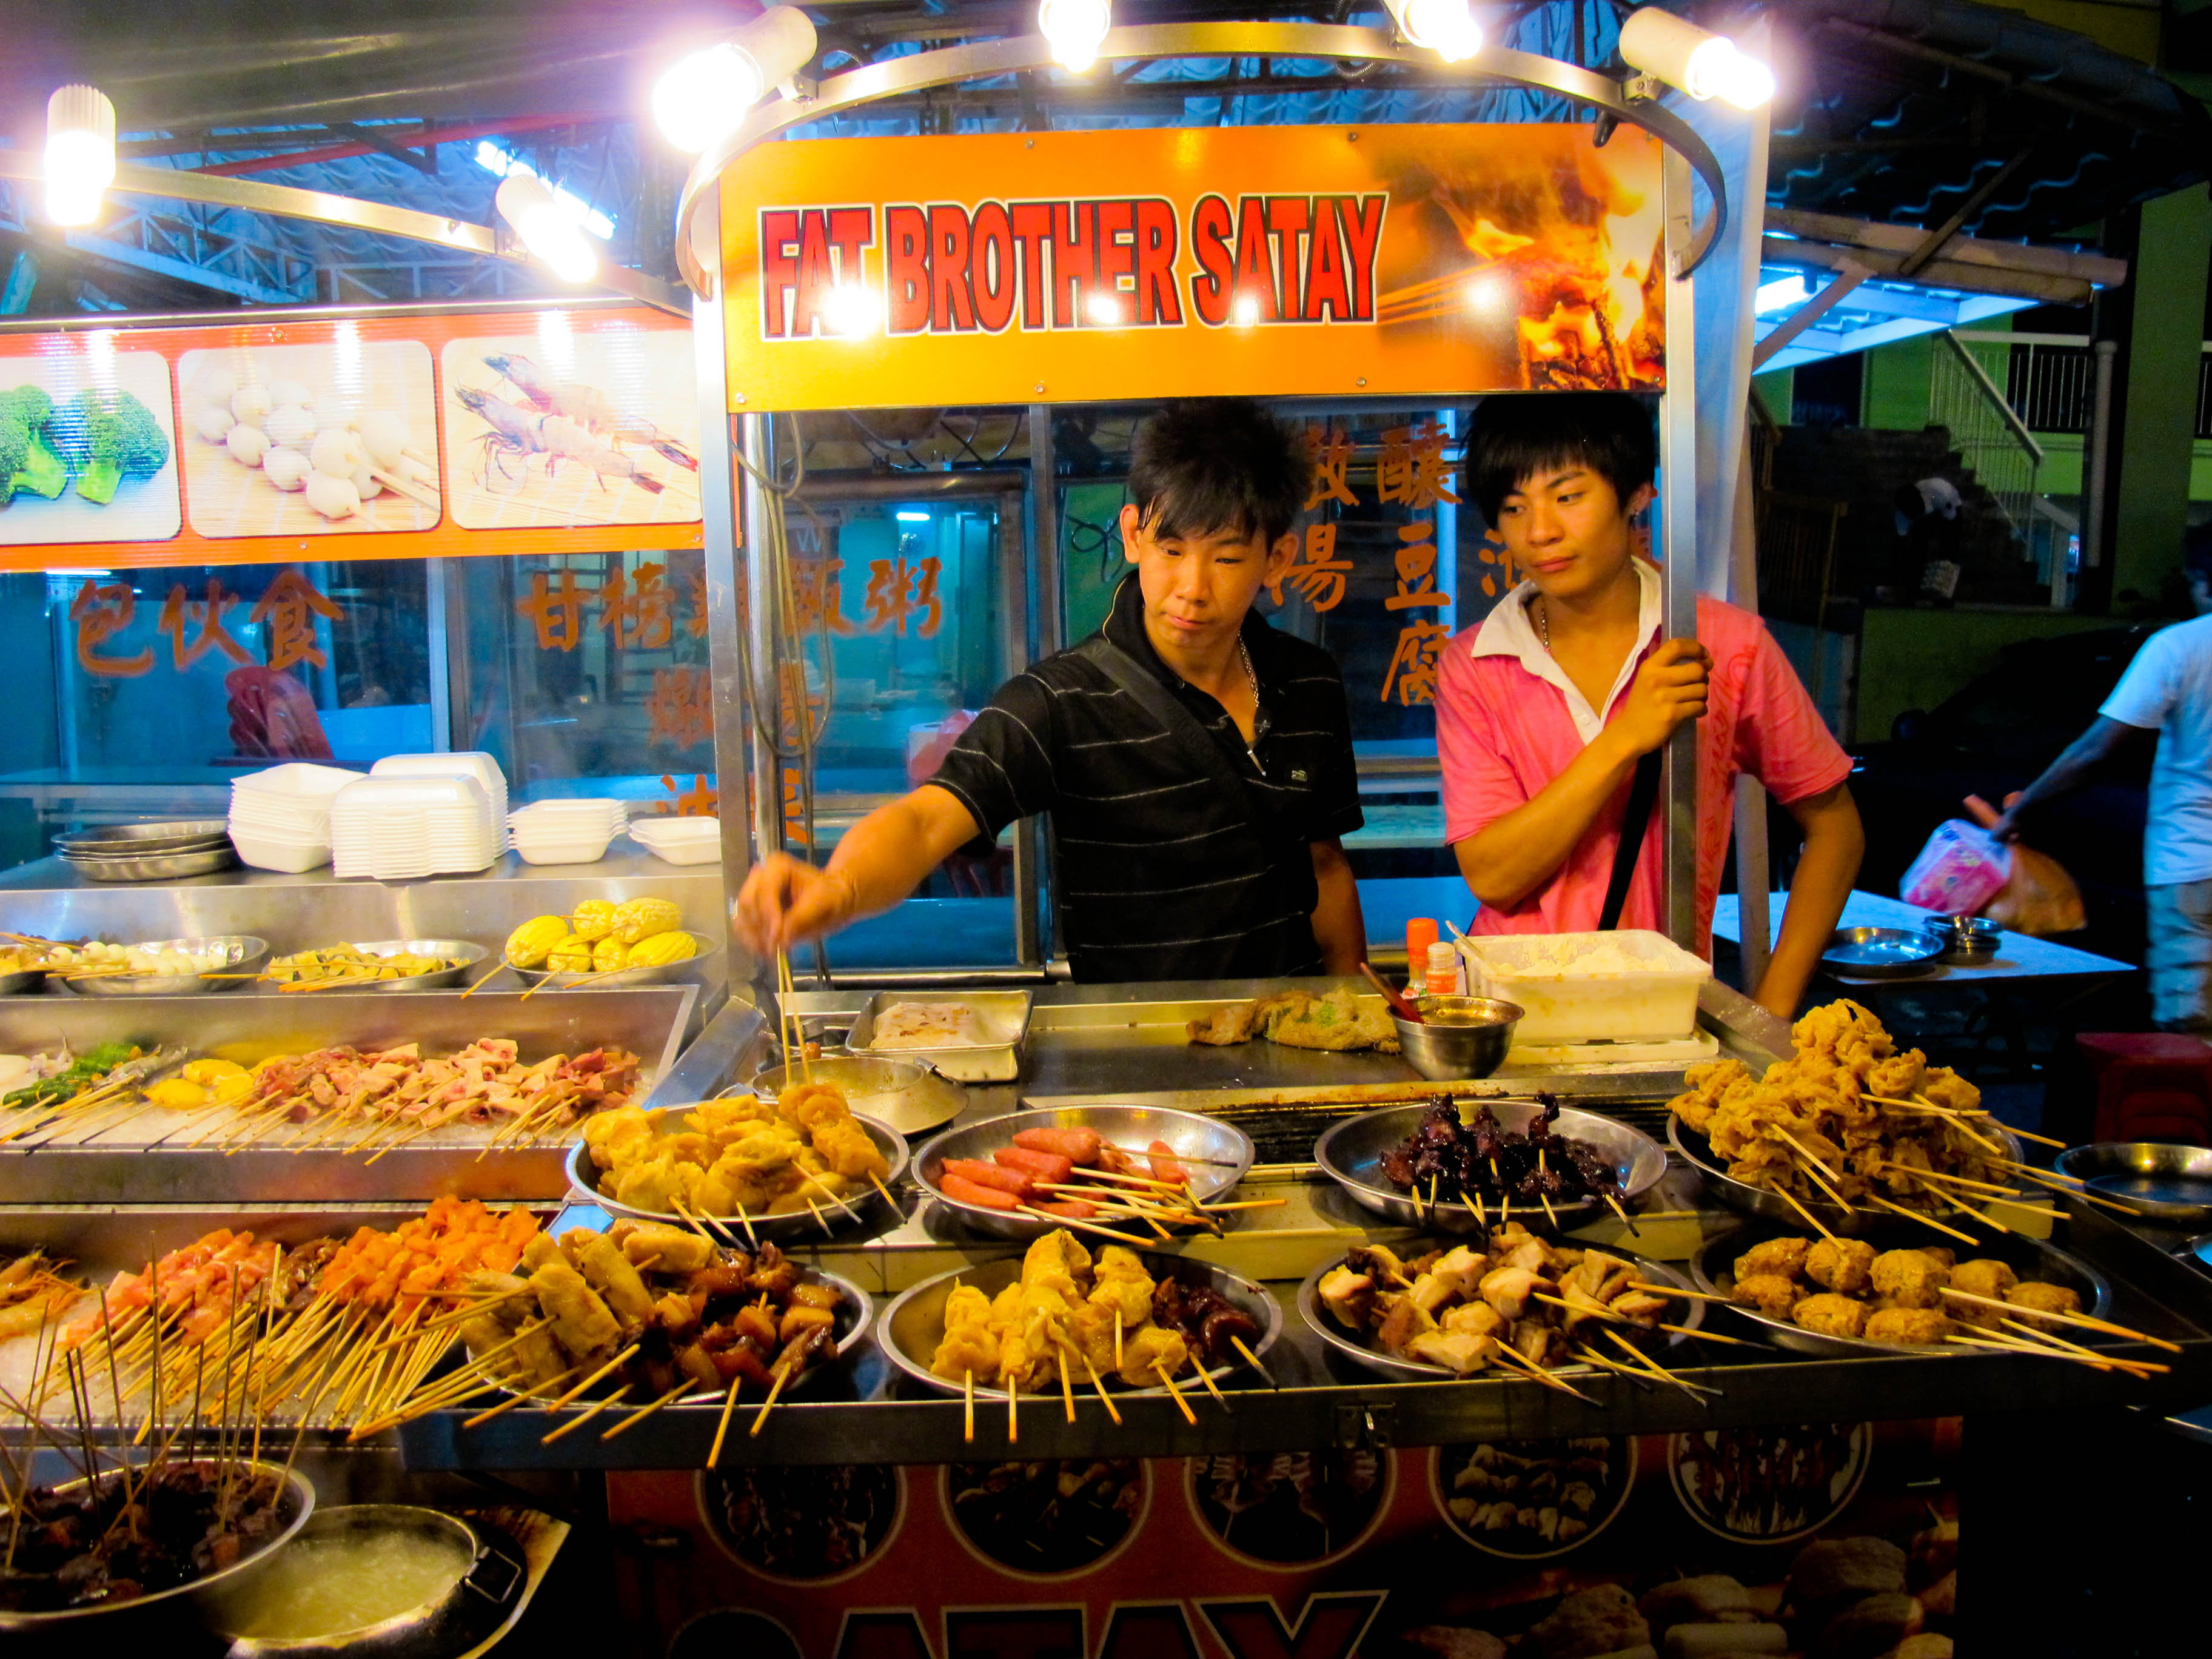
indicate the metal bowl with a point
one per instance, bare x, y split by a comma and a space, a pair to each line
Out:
1747, 1200
462, 954
583, 1175
1228, 1149
71, 1621
155, 867
914, 1324
1413, 1371
2168, 1183
1351, 1152
1713, 1268
906, 1094
242, 955
1458, 1038
659, 972
143, 840
1963, 939
1879, 952
22, 982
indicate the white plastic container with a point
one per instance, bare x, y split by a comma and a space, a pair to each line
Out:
270, 852
679, 841
1629, 985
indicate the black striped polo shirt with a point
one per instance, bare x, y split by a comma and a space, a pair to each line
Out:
1162, 871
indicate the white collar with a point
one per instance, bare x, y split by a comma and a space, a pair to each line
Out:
1508, 632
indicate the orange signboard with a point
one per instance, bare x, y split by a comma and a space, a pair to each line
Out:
1094, 266
407, 435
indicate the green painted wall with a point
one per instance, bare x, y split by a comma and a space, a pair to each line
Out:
2156, 460
1894, 390
1916, 659
1777, 390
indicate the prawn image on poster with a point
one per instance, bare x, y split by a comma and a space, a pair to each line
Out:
339, 437
61, 480
571, 427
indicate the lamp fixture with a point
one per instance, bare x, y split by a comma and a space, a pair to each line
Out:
701, 98
1443, 27
1702, 63
1076, 29
80, 153
548, 230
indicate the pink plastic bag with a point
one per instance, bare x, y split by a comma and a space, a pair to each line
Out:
1961, 869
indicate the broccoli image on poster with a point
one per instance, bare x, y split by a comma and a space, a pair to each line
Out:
88, 449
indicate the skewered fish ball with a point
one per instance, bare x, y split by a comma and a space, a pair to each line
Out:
1830, 1315
1914, 1325
1909, 1278
1785, 1256
1770, 1293
1982, 1277
1845, 1266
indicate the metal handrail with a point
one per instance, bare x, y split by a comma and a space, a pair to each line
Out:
1981, 378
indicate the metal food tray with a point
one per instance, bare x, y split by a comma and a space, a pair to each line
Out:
1004, 1013
1351, 1154
1747, 1200
146, 1160
1714, 1269
1360, 1353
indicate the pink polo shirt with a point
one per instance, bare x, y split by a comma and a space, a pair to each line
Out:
1508, 721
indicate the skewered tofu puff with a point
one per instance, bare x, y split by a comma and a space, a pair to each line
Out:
738, 1156
1897, 1296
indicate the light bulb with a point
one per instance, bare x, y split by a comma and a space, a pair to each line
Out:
1702, 63
549, 231
80, 153
1076, 29
701, 98
1443, 27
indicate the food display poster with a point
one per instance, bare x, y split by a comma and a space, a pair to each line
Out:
420, 435
1812, 1540
1019, 268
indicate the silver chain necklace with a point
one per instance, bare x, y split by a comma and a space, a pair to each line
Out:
1544, 626
1252, 680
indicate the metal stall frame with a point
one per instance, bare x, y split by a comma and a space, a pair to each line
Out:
729, 440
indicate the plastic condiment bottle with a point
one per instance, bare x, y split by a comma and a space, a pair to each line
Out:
1442, 977
1420, 933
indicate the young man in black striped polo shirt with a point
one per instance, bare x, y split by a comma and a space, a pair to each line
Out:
1196, 762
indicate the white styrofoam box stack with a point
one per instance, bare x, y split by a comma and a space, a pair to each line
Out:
574, 831
396, 828
1629, 985
679, 841
459, 763
280, 818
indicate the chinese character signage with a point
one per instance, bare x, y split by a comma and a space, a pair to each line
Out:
1081, 266
417, 436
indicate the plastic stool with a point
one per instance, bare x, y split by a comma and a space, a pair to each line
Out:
2150, 1085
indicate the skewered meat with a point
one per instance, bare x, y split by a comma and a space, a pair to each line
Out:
1913, 1325
1461, 1353
1845, 1266
1346, 1295
1507, 1289
1909, 1278
1451, 1160
1830, 1315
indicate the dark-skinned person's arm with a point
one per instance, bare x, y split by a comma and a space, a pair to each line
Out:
2106, 740
1512, 856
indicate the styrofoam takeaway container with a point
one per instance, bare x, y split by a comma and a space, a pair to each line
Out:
1589, 987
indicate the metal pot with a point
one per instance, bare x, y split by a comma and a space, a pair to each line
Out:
489, 1578
1458, 1038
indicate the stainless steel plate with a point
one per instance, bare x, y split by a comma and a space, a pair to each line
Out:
1879, 953
242, 954
155, 867
583, 1175
1410, 1370
1747, 1200
136, 840
2168, 1183
657, 974
1004, 1014
903, 1093
914, 1324
1351, 1152
462, 954
1228, 1149
22, 982
1713, 1267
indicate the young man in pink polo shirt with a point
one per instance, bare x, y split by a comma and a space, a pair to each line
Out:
1544, 710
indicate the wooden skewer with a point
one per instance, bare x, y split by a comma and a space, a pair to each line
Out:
1983, 1216
1701, 1333
1529, 1367
1687, 1296
2081, 1320
1842, 1202
722, 1428
1104, 1398
1636, 1356
774, 1387
2014, 1344
1014, 1400
621, 1358
967, 1415
585, 1416
1672, 1215
1929, 1220
642, 1413
1175, 1394
1211, 1387
1625, 1218
1117, 1338
1067, 1388
1086, 1227
1253, 1360
1956, 1180
2137, 1367
1800, 1148
2052, 1179
1818, 1225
